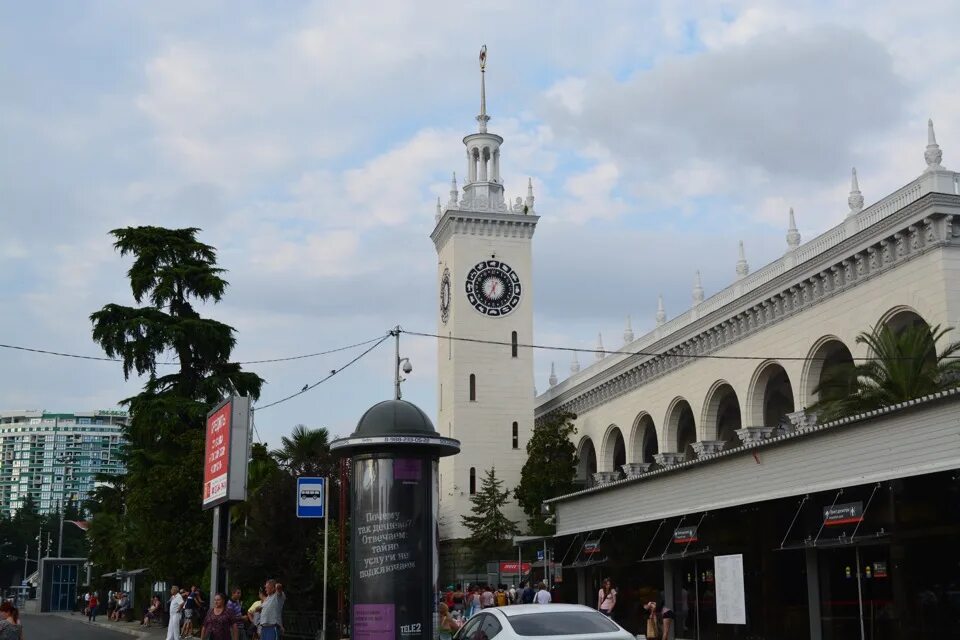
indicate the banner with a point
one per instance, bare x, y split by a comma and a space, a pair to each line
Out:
511, 567
840, 514
226, 452
731, 603
685, 535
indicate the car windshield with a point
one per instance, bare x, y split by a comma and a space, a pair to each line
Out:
561, 623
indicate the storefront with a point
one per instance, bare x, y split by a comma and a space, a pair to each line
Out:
848, 531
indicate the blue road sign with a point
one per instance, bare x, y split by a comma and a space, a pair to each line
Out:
539, 555
310, 495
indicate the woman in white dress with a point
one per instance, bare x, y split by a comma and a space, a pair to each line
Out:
173, 626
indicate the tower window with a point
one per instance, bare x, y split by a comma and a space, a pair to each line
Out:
513, 344
473, 480
473, 387
516, 436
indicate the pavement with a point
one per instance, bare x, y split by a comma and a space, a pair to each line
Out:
57, 626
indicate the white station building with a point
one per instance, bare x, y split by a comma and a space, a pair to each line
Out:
693, 448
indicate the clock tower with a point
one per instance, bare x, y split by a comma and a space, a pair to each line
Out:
484, 277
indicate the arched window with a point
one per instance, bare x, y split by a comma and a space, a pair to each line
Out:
516, 436
473, 480
513, 344
473, 387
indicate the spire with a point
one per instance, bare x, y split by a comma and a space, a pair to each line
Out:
856, 198
553, 376
529, 201
742, 267
697, 290
454, 192
483, 118
437, 217
628, 332
793, 236
600, 351
933, 155
575, 364
661, 313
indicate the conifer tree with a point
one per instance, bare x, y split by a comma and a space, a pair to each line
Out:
490, 529
550, 469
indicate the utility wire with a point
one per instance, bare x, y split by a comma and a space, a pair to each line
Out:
104, 359
332, 373
610, 352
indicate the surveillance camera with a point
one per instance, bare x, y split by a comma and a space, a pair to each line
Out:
407, 367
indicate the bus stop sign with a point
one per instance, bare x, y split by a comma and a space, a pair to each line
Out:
310, 497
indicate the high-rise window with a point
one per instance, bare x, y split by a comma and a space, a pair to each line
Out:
473, 387
513, 344
516, 436
473, 480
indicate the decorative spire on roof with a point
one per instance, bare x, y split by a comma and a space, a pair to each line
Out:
628, 332
600, 351
529, 202
437, 217
742, 267
793, 236
553, 375
661, 313
933, 155
697, 290
856, 198
575, 364
454, 192
483, 118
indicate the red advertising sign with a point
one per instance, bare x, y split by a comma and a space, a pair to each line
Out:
511, 567
216, 461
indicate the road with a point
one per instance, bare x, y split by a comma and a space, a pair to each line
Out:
57, 628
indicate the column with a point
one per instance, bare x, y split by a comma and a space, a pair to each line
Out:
813, 594
582, 586
671, 585
496, 166
471, 166
484, 158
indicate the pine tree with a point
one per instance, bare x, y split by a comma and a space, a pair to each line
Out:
490, 529
549, 471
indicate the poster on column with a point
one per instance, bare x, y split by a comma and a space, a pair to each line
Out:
731, 604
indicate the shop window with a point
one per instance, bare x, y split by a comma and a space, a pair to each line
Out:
516, 436
473, 480
473, 387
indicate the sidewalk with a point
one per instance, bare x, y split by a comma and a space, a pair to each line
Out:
131, 628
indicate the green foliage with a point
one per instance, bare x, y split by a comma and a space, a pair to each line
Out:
904, 365
18, 535
550, 469
306, 452
490, 529
152, 518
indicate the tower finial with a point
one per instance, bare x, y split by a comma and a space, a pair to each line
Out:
553, 376
697, 289
438, 209
528, 203
575, 364
628, 332
793, 236
933, 155
856, 198
600, 351
742, 267
661, 312
483, 118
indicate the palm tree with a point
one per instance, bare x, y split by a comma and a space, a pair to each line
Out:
903, 365
306, 452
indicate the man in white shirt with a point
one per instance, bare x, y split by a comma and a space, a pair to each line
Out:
173, 626
543, 596
271, 613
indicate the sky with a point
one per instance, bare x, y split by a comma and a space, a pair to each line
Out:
310, 140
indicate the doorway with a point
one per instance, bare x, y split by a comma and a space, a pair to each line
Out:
855, 590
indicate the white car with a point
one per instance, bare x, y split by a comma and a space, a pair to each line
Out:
542, 621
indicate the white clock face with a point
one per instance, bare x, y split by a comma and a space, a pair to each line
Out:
493, 288
445, 296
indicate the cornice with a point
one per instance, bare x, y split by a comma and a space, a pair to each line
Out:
921, 226
483, 223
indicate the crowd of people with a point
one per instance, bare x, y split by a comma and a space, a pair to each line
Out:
458, 604
226, 619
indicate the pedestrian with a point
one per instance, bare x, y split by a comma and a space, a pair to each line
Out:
458, 596
607, 598
513, 594
447, 625
528, 594
176, 604
659, 621
500, 597
153, 613
92, 605
219, 623
10, 626
473, 602
486, 598
190, 607
543, 596
235, 607
271, 613
253, 614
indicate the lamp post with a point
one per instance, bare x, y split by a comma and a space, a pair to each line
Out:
394, 453
401, 363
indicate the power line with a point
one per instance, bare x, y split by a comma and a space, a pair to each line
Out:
332, 373
610, 352
174, 364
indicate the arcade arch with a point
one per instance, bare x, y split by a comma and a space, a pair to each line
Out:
829, 362
721, 414
770, 395
586, 462
681, 427
643, 439
614, 451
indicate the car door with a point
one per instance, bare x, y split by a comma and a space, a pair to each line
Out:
471, 630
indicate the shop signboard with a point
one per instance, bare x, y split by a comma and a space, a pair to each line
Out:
731, 602
841, 514
591, 547
511, 567
685, 535
226, 452
880, 569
